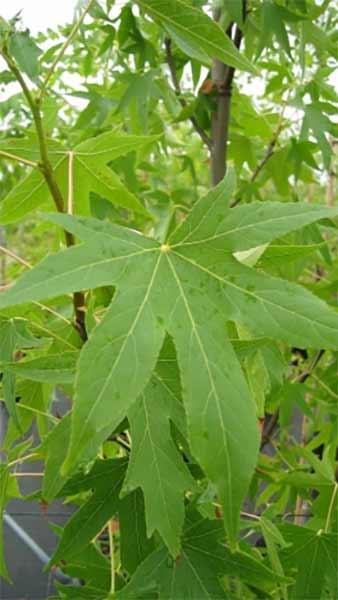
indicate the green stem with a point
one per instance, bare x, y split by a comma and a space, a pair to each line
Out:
33, 455
48, 173
70, 201
37, 412
112, 559
329, 513
64, 47
30, 163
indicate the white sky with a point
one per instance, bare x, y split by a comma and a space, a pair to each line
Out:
38, 15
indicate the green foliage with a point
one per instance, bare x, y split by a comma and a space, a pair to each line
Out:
195, 33
192, 331
25, 51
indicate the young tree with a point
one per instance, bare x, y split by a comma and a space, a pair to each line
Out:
183, 235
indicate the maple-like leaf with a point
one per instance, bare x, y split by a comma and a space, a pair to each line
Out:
314, 554
83, 167
105, 480
197, 571
188, 287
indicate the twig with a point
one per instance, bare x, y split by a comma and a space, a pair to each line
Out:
322, 384
332, 175
112, 558
15, 257
48, 173
70, 183
51, 334
29, 266
300, 504
38, 412
250, 515
329, 513
17, 474
33, 455
269, 152
269, 428
24, 161
172, 68
302, 377
64, 47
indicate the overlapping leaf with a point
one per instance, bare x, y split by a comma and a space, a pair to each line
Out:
135, 545
189, 288
7, 347
196, 572
195, 32
315, 556
155, 462
58, 368
88, 164
105, 479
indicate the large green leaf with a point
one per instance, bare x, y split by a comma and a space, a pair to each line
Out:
195, 32
189, 290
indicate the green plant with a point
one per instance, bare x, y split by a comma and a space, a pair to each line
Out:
186, 324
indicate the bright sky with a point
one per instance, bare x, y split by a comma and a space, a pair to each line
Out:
38, 15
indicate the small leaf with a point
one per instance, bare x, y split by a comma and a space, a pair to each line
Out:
319, 123
106, 479
7, 347
58, 368
28, 194
106, 183
273, 23
91, 566
56, 445
26, 53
